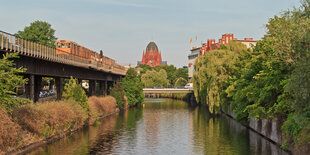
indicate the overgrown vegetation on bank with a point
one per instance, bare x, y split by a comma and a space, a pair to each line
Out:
100, 107
50, 118
270, 81
133, 88
23, 122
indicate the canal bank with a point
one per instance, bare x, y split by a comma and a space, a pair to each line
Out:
45, 123
268, 128
164, 126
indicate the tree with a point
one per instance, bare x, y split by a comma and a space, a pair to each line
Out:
10, 79
180, 82
181, 73
172, 72
153, 78
133, 87
118, 92
73, 90
213, 71
296, 128
40, 32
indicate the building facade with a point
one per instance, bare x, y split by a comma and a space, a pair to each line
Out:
191, 61
152, 56
212, 45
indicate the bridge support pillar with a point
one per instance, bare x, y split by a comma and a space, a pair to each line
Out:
37, 87
105, 88
109, 85
92, 87
101, 88
59, 84
33, 87
29, 87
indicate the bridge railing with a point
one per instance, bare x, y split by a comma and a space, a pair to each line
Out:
12, 43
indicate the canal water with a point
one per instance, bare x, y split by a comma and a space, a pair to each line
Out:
164, 126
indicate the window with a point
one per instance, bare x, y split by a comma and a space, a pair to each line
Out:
62, 45
58, 45
68, 45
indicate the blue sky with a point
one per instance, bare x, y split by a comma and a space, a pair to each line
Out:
123, 28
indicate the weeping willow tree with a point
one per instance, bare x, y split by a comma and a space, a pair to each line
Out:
212, 71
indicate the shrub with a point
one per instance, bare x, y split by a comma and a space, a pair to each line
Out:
133, 88
9, 132
47, 119
73, 90
117, 91
100, 106
10, 79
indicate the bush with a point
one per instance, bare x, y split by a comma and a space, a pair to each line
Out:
47, 119
9, 132
100, 107
73, 90
133, 88
118, 92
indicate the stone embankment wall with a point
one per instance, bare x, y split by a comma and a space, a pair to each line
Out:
269, 128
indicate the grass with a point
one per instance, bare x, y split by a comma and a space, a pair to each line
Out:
50, 118
100, 106
9, 132
34, 122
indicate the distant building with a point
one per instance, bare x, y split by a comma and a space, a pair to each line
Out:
212, 45
152, 56
191, 61
249, 42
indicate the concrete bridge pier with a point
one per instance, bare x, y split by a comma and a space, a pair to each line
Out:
92, 88
109, 86
105, 88
59, 87
33, 87
102, 90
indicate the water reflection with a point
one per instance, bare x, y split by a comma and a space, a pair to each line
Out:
164, 126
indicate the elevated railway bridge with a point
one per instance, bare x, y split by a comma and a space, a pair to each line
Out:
43, 61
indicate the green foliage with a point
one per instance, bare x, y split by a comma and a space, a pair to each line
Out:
40, 32
47, 131
172, 72
153, 78
259, 86
178, 96
10, 79
73, 90
180, 82
181, 73
133, 88
118, 92
212, 73
272, 80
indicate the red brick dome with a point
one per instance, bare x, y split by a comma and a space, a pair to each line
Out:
152, 46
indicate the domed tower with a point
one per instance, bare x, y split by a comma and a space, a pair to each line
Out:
152, 56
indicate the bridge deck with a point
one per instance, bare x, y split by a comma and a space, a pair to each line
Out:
11, 43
